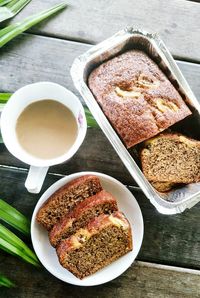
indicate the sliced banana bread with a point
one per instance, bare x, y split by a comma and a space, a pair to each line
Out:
171, 158
104, 240
163, 186
65, 198
102, 202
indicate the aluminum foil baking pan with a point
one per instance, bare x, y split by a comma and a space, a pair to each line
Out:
174, 201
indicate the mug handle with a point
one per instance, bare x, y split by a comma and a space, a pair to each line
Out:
35, 178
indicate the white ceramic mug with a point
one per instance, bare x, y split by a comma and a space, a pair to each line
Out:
16, 104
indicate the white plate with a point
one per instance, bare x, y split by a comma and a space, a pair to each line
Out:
126, 203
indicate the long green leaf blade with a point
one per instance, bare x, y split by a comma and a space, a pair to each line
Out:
6, 30
12, 8
15, 218
11, 249
16, 242
5, 282
4, 97
5, 14
12, 31
91, 122
4, 2
16, 5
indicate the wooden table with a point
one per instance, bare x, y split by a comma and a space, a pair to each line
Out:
169, 262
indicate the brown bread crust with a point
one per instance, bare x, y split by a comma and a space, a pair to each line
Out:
104, 240
102, 202
136, 96
65, 198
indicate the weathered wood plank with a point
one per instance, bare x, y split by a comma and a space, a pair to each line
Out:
31, 58
92, 21
173, 240
140, 280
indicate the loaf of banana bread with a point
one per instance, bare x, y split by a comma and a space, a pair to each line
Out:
136, 96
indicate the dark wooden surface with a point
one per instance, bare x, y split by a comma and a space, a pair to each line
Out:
141, 280
46, 53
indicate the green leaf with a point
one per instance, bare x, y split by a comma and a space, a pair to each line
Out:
12, 244
11, 249
16, 5
5, 282
11, 31
4, 97
91, 122
12, 8
3, 2
14, 218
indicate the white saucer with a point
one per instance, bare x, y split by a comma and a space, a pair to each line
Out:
126, 203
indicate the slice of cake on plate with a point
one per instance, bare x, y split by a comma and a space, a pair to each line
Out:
101, 203
105, 239
66, 198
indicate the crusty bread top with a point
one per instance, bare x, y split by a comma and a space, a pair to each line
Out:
65, 198
176, 136
70, 185
136, 96
94, 226
100, 199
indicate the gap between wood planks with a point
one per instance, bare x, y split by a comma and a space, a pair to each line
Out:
167, 267
24, 170
84, 42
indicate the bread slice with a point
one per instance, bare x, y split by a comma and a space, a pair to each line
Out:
163, 186
104, 240
102, 202
171, 158
66, 198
